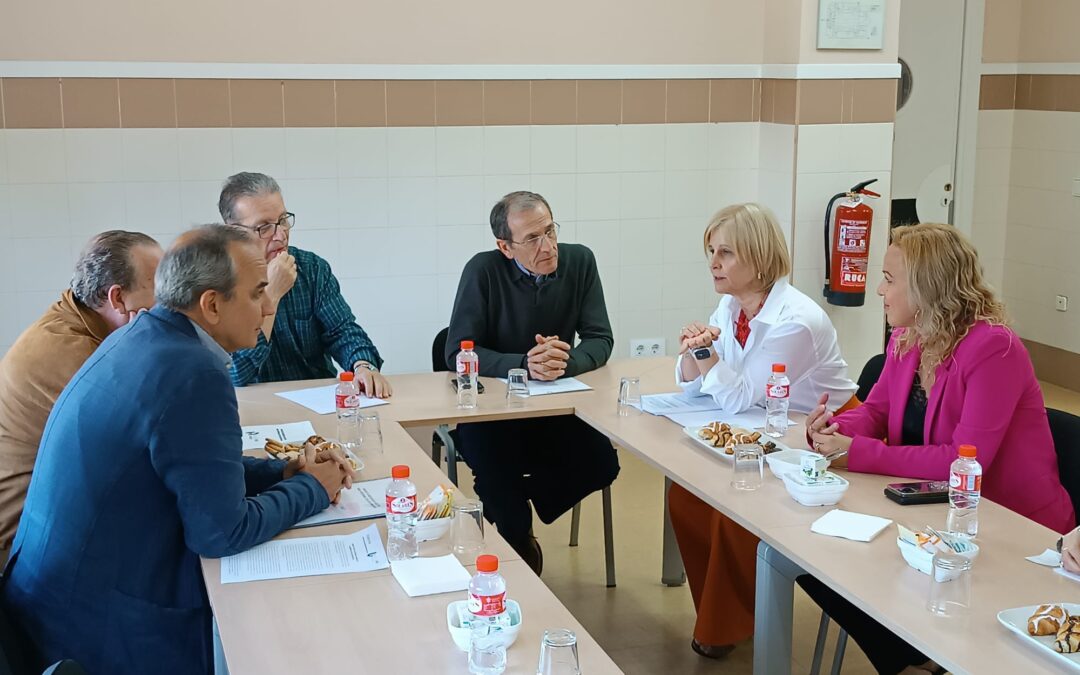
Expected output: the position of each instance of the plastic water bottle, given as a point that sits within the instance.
(347, 396)
(401, 541)
(468, 369)
(965, 484)
(487, 607)
(776, 401)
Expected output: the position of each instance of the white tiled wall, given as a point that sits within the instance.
(1042, 234)
(397, 212)
(830, 159)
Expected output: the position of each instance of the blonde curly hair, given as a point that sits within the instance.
(947, 290)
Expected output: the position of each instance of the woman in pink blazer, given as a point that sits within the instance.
(954, 374)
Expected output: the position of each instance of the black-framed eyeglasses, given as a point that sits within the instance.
(551, 234)
(268, 230)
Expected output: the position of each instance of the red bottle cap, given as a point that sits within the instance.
(967, 451)
(779, 368)
(346, 376)
(400, 471)
(487, 563)
(466, 344)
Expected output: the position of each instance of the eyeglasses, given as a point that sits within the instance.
(268, 230)
(551, 234)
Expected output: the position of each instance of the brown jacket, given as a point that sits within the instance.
(32, 374)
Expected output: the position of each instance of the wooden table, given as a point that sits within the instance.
(873, 576)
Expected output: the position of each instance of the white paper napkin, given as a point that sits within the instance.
(1049, 558)
(429, 576)
(848, 525)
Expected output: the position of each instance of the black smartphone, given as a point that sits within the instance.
(479, 384)
(922, 492)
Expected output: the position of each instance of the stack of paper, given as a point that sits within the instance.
(564, 385)
(848, 525)
(320, 400)
(697, 411)
(284, 558)
(363, 501)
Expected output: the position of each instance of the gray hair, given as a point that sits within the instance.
(513, 203)
(243, 184)
(105, 262)
(199, 261)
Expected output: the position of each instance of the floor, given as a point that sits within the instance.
(644, 626)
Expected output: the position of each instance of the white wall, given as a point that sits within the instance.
(397, 212)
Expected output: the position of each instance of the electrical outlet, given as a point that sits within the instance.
(645, 347)
(1061, 303)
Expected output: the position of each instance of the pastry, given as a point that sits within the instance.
(1067, 640)
(1047, 619)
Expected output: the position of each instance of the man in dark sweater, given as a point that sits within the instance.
(523, 305)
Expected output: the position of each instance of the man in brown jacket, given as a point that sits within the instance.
(113, 281)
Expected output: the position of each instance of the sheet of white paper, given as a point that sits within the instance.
(849, 525)
(563, 386)
(320, 400)
(363, 501)
(255, 437)
(676, 402)
(750, 419)
(1049, 558)
(428, 576)
(286, 558)
(1068, 575)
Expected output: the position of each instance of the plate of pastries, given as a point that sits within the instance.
(1054, 627)
(287, 451)
(721, 438)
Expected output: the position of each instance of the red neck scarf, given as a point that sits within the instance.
(742, 325)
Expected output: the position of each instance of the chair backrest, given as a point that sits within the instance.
(438, 352)
(869, 376)
(1065, 428)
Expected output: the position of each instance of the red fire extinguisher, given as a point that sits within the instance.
(848, 250)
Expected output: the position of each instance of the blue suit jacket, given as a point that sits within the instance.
(138, 474)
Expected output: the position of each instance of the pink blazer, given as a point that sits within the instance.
(985, 395)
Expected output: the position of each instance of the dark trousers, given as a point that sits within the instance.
(553, 461)
(888, 653)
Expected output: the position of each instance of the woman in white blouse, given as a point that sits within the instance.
(761, 320)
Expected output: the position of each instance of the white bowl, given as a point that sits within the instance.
(462, 636)
(427, 530)
(786, 461)
(922, 559)
(814, 495)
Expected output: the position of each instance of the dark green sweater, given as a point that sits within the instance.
(501, 309)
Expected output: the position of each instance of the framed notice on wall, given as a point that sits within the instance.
(851, 24)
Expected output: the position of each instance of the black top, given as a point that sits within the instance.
(502, 309)
(914, 415)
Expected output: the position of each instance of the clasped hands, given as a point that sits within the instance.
(330, 467)
(696, 335)
(547, 360)
(823, 433)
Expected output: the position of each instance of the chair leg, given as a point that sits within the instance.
(838, 657)
(443, 432)
(819, 645)
(436, 448)
(609, 538)
(575, 523)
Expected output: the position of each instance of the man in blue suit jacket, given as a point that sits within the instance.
(140, 472)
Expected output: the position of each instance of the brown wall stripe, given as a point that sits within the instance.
(1053, 365)
(51, 103)
(1030, 92)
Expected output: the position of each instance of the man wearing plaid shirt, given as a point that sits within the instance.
(312, 323)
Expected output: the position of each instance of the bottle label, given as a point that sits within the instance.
(347, 401)
(487, 605)
(965, 482)
(467, 367)
(777, 390)
(400, 505)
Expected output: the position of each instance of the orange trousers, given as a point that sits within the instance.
(720, 558)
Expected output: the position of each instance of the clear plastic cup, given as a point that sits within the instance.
(517, 388)
(747, 466)
(467, 529)
(950, 585)
(558, 653)
(629, 396)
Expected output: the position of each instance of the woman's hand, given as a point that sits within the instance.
(818, 419)
(690, 331)
(1070, 552)
(828, 443)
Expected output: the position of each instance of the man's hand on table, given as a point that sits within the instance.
(547, 360)
(1070, 551)
(372, 383)
(330, 467)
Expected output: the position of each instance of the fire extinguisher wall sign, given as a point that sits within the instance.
(847, 247)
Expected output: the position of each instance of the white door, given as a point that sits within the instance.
(924, 146)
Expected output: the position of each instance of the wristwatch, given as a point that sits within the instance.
(365, 364)
(702, 353)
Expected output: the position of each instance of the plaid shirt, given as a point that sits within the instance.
(313, 325)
